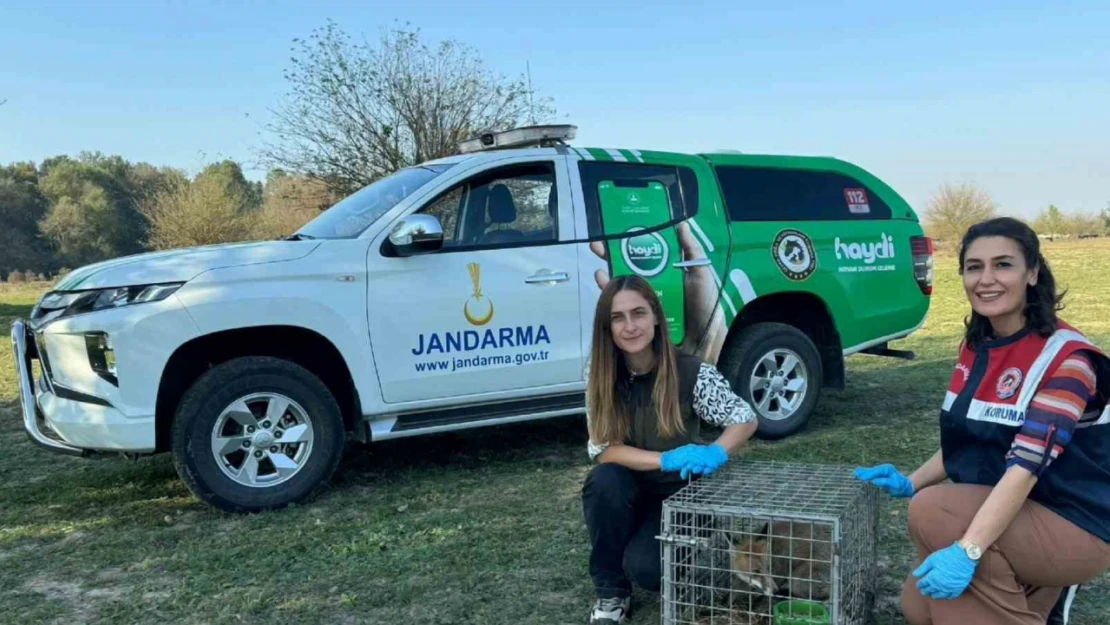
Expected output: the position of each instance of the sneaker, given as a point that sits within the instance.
(1062, 609)
(611, 611)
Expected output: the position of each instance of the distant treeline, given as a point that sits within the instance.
(70, 211)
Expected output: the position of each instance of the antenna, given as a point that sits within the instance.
(531, 108)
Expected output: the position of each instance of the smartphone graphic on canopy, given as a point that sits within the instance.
(630, 209)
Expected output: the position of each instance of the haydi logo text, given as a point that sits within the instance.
(645, 254)
(867, 252)
(651, 251)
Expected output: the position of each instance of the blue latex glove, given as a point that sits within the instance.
(677, 458)
(886, 477)
(705, 460)
(946, 573)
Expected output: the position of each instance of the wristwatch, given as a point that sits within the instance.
(972, 550)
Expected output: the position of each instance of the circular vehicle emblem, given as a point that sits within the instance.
(793, 252)
(1008, 383)
(645, 254)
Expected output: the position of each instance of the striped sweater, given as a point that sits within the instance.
(1053, 415)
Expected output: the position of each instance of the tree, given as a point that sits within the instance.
(355, 113)
(147, 181)
(206, 211)
(94, 205)
(22, 205)
(1050, 222)
(955, 208)
(92, 213)
(1106, 219)
(289, 202)
(229, 175)
(1082, 223)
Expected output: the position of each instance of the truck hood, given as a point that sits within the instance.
(181, 265)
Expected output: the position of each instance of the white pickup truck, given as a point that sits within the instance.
(460, 293)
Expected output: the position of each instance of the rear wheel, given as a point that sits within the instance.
(257, 434)
(777, 369)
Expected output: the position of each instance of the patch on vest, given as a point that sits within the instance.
(962, 368)
(1008, 383)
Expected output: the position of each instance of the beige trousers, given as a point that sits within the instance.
(1019, 578)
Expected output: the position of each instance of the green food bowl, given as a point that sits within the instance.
(801, 612)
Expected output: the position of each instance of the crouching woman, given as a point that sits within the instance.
(650, 410)
(1025, 443)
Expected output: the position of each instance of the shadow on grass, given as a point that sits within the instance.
(515, 447)
(73, 489)
(555, 444)
(15, 310)
(82, 488)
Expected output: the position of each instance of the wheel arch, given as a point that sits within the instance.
(300, 345)
(806, 312)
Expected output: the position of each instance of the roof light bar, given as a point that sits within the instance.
(527, 136)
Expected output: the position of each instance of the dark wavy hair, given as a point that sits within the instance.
(1041, 300)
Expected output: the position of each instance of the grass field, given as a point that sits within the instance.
(477, 527)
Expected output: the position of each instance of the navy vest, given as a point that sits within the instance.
(988, 395)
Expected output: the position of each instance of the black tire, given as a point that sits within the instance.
(749, 347)
(205, 401)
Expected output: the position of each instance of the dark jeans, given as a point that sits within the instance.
(623, 510)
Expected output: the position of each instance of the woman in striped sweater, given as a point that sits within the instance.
(1025, 451)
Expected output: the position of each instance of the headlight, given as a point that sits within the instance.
(57, 305)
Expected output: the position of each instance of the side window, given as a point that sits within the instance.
(446, 209)
(680, 182)
(774, 194)
(516, 205)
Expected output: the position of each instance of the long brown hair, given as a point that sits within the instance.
(610, 416)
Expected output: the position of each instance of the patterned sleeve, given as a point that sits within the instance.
(1052, 416)
(714, 401)
(593, 449)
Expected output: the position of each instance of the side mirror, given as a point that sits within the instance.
(417, 234)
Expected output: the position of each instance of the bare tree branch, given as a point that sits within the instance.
(357, 112)
(955, 208)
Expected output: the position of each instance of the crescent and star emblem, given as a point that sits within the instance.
(476, 279)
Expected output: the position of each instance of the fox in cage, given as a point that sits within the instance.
(740, 575)
(785, 557)
(770, 544)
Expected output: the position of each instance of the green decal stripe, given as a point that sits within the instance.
(629, 156)
(700, 235)
(609, 155)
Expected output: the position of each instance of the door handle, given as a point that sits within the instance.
(697, 262)
(542, 278)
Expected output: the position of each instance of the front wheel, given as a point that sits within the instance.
(777, 369)
(257, 434)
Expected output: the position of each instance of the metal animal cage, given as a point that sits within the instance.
(770, 543)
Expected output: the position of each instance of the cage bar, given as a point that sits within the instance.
(770, 543)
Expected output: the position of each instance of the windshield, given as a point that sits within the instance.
(350, 216)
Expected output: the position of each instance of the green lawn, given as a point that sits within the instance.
(480, 527)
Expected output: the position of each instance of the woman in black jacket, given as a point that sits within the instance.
(651, 410)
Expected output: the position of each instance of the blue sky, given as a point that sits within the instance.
(1010, 95)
